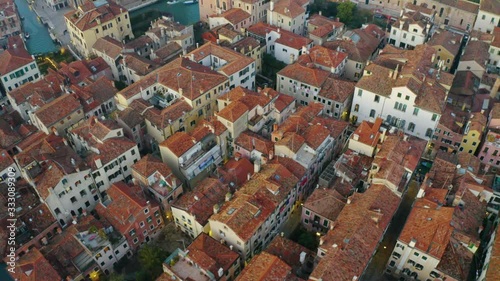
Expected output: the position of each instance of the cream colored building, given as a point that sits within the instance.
(289, 15)
(90, 22)
(488, 17)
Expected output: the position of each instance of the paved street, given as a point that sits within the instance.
(293, 221)
(376, 267)
(55, 20)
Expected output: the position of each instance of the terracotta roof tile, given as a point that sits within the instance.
(193, 78)
(357, 231)
(315, 135)
(447, 39)
(265, 267)
(235, 61)
(140, 65)
(292, 141)
(283, 101)
(476, 51)
(88, 15)
(233, 111)
(306, 74)
(323, 56)
(46, 89)
(34, 267)
(130, 117)
(161, 118)
(14, 58)
(327, 203)
(58, 109)
(109, 150)
(287, 38)
(109, 46)
(256, 200)
(251, 141)
(233, 15)
(210, 254)
(290, 8)
(336, 89)
(149, 165)
(201, 200)
(288, 251)
(368, 133)
(125, 205)
(179, 143)
(235, 172)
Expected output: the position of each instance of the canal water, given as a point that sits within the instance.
(184, 14)
(40, 41)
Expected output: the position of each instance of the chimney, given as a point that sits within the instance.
(292, 58)
(197, 45)
(320, 13)
(216, 208)
(218, 41)
(275, 127)
(249, 176)
(184, 52)
(191, 57)
(433, 58)
(391, 73)
(54, 130)
(271, 6)
(349, 200)
(396, 72)
(180, 91)
(228, 197)
(256, 166)
(14, 46)
(237, 156)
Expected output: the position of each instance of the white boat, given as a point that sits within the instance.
(26, 35)
(190, 2)
(171, 2)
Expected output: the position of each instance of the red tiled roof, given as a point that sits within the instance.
(315, 135)
(283, 101)
(368, 133)
(336, 89)
(236, 171)
(109, 46)
(251, 141)
(292, 141)
(357, 231)
(34, 267)
(327, 203)
(290, 8)
(149, 164)
(125, 206)
(88, 15)
(233, 15)
(429, 225)
(14, 58)
(287, 38)
(179, 143)
(210, 254)
(193, 78)
(161, 118)
(110, 150)
(306, 74)
(201, 200)
(233, 111)
(235, 61)
(256, 200)
(265, 267)
(58, 109)
(44, 90)
(323, 56)
(288, 251)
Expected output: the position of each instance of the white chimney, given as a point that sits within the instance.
(256, 166)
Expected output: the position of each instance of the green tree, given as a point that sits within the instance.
(308, 240)
(345, 11)
(151, 259)
(116, 277)
(143, 275)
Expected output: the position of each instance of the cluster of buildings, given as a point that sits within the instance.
(197, 140)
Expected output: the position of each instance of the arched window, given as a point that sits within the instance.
(372, 113)
(428, 133)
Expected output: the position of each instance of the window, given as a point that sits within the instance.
(407, 98)
(57, 211)
(360, 92)
(428, 133)
(73, 199)
(306, 221)
(392, 263)
(424, 258)
(356, 108)
(136, 240)
(372, 113)
(131, 232)
(377, 98)
(434, 117)
(416, 254)
(308, 213)
(132, 152)
(141, 224)
(399, 95)
(400, 106)
(411, 127)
